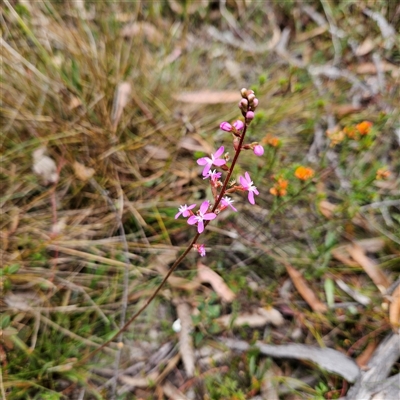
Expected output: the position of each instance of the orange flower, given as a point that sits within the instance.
(304, 173)
(364, 127)
(382, 173)
(271, 141)
(280, 187)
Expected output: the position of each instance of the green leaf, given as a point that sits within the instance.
(329, 291)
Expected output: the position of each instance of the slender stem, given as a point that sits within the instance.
(150, 299)
(230, 169)
(176, 263)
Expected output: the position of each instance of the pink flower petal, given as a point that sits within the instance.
(200, 227)
(248, 179)
(251, 198)
(203, 161)
(219, 162)
(243, 182)
(210, 216)
(219, 152)
(204, 206)
(192, 220)
(206, 169)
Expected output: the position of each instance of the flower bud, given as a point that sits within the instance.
(255, 103)
(243, 104)
(243, 92)
(251, 97)
(239, 125)
(236, 143)
(249, 115)
(225, 126)
(258, 150)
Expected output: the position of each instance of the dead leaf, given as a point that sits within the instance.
(327, 209)
(141, 382)
(259, 319)
(172, 392)
(149, 31)
(371, 245)
(81, 172)
(159, 264)
(341, 110)
(207, 275)
(121, 98)
(394, 310)
(245, 319)
(305, 291)
(272, 314)
(158, 153)
(365, 47)
(360, 298)
(370, 68)
(208, 97)
(363, 359)
(328, 359)
(185, 338)
(74, 102)
(303, 36)
(369, 266)
(341, 254)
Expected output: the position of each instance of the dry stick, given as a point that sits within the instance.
(176, 263)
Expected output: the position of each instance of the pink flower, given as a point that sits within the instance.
(239, 125)
(201, 249)
(213, 175)
(247, 184)
(185, 210)
(227, 202)
(202, 215)
(258, 150)
(225, 126)
(214, 160)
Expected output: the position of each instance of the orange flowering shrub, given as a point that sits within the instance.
(280, 187)
(364, 127)
(382, 173)
(304, 173)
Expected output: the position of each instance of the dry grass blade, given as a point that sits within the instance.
(305, 291)
(369, 266)
(185, 338)
(121, 98)
(394, 310)
(208, 97)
